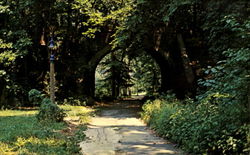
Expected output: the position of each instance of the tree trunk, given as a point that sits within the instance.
(113, 78)
(88, 86)
(185, 60)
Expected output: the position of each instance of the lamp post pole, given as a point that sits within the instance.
(52, 78)
(52, 64)
(52, 71)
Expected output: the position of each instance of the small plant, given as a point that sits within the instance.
(73, 142)
(50, 112)
(35, 96)
(81, 101)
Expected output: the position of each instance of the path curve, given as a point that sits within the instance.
(119, 131)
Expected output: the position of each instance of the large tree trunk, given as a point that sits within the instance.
(89, 86)
(114, 84)
(185, 60)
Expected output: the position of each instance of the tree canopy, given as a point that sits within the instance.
(215, 37)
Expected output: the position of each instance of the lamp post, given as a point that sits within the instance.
(52, 70)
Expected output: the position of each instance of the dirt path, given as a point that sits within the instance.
(119, 131)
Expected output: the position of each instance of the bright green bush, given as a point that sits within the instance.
(199, 127)
(50, 112)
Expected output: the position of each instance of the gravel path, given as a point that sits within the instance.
(119, 131)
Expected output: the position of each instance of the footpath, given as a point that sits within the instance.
(119, 131)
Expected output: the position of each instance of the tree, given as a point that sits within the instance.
(120, 74)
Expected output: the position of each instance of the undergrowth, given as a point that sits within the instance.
(200, 128)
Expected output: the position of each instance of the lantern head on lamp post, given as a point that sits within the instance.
(51, 44)
(51, 47)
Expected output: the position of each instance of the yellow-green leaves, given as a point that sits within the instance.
(3, 8)
(102, 14)
(4, 45)
(6, 54)
(7, 57)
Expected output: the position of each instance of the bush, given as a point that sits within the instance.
(199, 127)
(50, 112)
(35, 97)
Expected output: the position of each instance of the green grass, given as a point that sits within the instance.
(21, 133)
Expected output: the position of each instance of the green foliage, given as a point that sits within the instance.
(226, 28)
(75, 101)
(112, 74)
(35, 96)
(247, 146)
(3, 8)
(102, 14)
(230, 75)
(14, 44)
(146, 74)
(6, 56)
(29, 136)
(73, 141)
(138, 74)
(148, 16)
(49, 112)
(199, 128)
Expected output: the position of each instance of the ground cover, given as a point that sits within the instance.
(200, 128)
(21, 133)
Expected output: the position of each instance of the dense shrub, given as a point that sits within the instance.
(50, 112)
(199, 127)
(35, 96)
